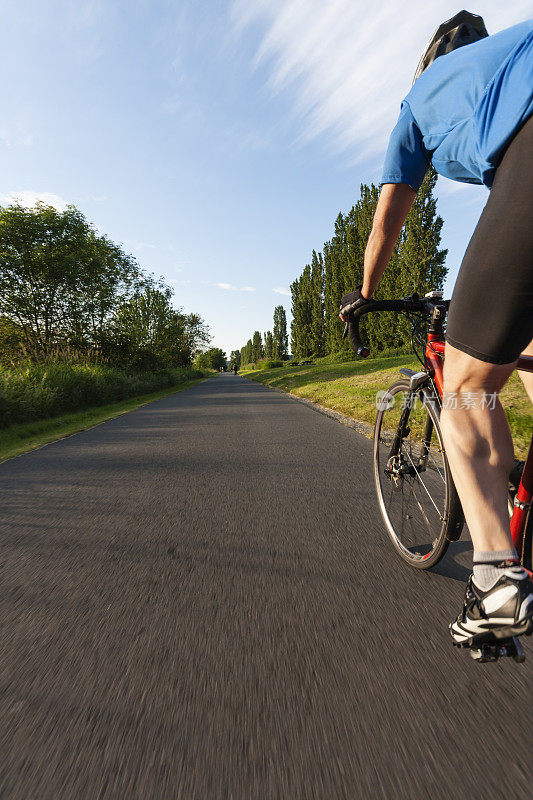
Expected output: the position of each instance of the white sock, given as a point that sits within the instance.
(487, 569)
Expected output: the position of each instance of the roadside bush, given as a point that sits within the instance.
(37, 391)
(270, 363)
(343, 356)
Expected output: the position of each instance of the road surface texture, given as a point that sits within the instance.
(198, 600)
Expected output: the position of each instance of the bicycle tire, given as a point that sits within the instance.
(449, 521)
(527, 543)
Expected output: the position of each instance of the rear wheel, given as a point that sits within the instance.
(527, 544)
(416, 494)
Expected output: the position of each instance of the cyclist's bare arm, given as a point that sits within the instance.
(395, 201)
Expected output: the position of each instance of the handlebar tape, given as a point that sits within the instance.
(351, 328)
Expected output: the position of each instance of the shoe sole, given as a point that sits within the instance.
(523, 628)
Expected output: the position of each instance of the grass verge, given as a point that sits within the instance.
(22, 437)
(351, 387)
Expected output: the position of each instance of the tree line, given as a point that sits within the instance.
(273, 345)
(64, 286)
(417, 265)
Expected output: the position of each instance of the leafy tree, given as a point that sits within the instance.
(343, 265)
(59, 280)
(269, 345)
(257, 346)
(145, 315)
(214, 358)
(302, 311)
(316, 332)
(281, 339)
(12, 340)
(154, 331)
(246, 357)
(197, 333)
(421, 261)
(307, 327)
(417, 264)
(235, 358)
(61, 283)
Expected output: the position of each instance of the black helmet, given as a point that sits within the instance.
(464, 28)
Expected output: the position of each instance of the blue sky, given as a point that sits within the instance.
(216, 140)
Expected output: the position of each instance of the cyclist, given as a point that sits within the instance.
(469, 114)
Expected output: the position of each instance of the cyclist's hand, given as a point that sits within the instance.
(350, 302)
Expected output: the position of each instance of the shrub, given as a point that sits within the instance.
(270, 363)
(348, 355)
(37, 391)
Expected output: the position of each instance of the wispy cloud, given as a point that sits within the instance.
(136, 245)
(347, 64)
(230, 288)
(13, 139)
(282, 290)
(29, 198)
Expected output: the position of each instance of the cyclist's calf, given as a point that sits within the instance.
(471, 385)
(479, 444)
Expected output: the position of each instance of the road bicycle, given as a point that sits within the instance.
(415, 489)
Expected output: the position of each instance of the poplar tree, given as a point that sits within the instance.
(421, 261)
(302, 314)
(317, 345)
(257, 347)
(269, 345)
(247, 356)
(417, 264)
(281, 339)
(295, 310)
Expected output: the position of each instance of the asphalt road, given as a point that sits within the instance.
(198, 600)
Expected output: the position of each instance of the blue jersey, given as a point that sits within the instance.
(463, 111)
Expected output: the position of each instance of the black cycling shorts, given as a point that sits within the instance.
(491, 312)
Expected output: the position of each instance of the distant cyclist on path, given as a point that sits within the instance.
(469, 114)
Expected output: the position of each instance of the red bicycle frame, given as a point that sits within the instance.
(434, 357)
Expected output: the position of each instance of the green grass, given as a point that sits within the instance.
(22, 437)
(350, 388)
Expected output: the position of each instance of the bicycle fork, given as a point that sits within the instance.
(404, 430)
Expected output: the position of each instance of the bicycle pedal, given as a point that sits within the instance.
(493, 651)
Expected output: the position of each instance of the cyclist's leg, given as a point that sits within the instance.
(490, 323)
(479, 445)
(499, 597)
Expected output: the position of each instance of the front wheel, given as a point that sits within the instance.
(416, 494)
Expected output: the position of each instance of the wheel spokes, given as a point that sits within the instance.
(415, 519)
